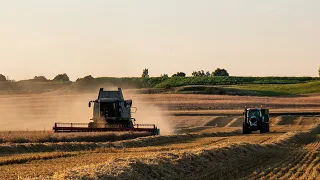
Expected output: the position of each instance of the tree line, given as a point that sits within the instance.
(201, 73)
(58, 78)
(145, 74)
(217, 72)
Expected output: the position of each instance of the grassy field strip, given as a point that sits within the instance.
(304, 88)
(198, 143)
(40, 168)
(212, 142)
(49, 136)
(9, 148)
(172, 139)
(15, 148)
(24, 158)
(183, 146)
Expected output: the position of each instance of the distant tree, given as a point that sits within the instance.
(2, 78)
(194, 73)
(62, 78)
(319, 71)
(180, 74)
(86, 78)
(220, 72)
(202, 73)
(145, 73)
(198, 73)
(40, 78)
(164, 75)
(208, 73)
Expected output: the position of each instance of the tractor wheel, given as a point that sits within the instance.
(245, 130)
(263, 128)
(268, 127)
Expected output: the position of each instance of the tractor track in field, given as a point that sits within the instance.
(300, 162)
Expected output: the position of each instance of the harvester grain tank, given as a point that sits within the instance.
(111, 112)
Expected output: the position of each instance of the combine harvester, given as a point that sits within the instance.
(110, 113)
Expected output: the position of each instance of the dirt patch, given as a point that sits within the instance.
(189, 121)
(286, 120)
(310, 120)
(220, 121)
(236, 122)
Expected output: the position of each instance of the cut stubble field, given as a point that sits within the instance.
(194, 147)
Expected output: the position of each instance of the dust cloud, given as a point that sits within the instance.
(148, 113)
(41, 111)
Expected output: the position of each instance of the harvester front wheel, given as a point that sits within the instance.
(157, 132)
(91, 125)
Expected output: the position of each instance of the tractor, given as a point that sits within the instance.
(256, 119)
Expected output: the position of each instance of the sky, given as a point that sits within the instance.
(119, 38)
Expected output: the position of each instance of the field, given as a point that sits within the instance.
(201, 139)
(261, 86)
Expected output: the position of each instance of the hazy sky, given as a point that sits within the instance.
(120, 38)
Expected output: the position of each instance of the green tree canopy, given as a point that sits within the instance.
(164, 75)
(198, 73)
(180, 74)
(220, 72)
(145, 73)
(2, 78)
(86, 78)
(62, 78)
(40, 78)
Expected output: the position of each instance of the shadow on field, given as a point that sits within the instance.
(223, 90)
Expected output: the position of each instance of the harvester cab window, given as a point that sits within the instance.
(109, 109)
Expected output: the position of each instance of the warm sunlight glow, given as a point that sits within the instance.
(120, 38)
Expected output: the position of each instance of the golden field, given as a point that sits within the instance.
(190, 147)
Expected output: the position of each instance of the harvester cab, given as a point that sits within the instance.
(256, 119)
(111, 112)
